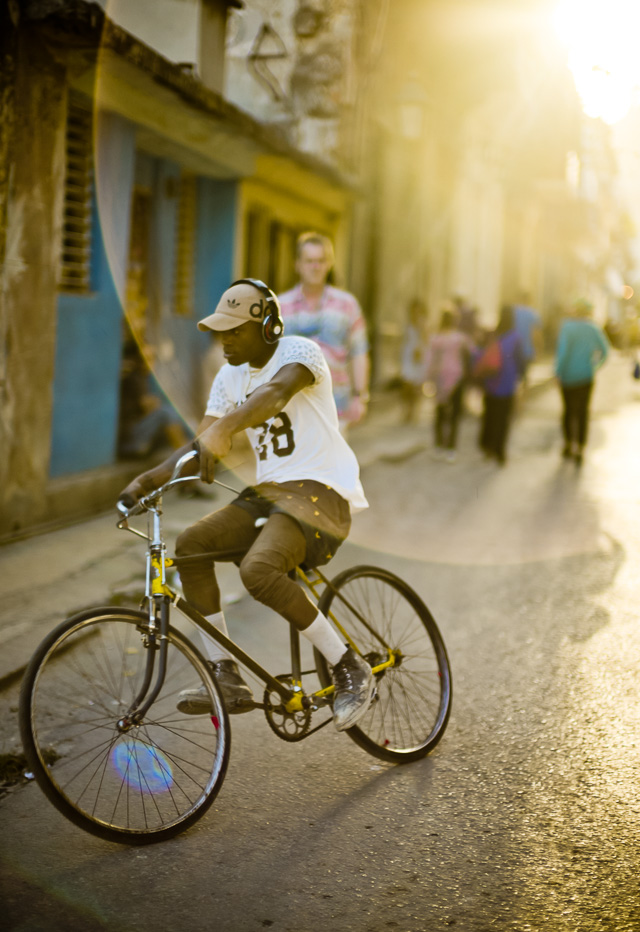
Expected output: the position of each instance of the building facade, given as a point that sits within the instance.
(152, 152)
(133, 191)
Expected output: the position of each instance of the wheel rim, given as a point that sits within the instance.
(412, 697)
(142, 780)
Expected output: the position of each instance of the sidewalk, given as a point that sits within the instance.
(49, 577)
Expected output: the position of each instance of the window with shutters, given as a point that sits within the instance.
(75, 271)
(184, 271)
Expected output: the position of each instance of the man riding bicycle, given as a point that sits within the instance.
(307, 485)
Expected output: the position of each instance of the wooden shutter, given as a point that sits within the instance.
(184, 271)
(75, 272)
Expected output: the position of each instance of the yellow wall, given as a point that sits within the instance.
(281, 192)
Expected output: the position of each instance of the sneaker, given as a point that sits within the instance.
(236, 694)
(354, 683)
(451, 456)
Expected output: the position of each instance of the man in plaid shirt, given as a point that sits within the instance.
(332, 318)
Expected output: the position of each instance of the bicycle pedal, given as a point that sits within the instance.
(245, 705)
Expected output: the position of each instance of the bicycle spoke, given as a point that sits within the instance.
(182, 735)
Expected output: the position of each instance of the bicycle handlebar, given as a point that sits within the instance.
(177, 469)
(128, 507)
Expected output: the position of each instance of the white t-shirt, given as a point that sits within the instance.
(303, 441)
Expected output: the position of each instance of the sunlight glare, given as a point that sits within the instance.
(601, 38)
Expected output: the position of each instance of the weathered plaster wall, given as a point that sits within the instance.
(8, 56)
(171, 28)
(292, 62)
(36, 116)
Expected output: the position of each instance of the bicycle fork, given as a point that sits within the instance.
(156, 640)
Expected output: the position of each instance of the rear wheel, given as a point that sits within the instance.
(132, 784)
(380, 612)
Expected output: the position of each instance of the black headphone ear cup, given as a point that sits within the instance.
(271, 328)
(272, 325)
(266, 329)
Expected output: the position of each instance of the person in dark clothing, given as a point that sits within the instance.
(500, 388)
(582, 348)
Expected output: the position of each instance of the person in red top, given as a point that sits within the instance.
(448, 352)
(332, 318)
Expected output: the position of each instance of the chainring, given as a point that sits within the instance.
(290, 726)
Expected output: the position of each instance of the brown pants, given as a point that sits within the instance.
(270, 553)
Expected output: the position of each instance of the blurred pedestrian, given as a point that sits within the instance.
(582, 348)
(414, 359)
(447, 354)
(465, 316)
(529, 327)
(500, 384)
(332, 318)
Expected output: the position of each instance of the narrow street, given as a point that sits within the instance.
(526, 815)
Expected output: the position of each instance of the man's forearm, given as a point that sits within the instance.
(266, 402)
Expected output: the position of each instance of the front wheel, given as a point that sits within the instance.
(377, 612)
(130, 784)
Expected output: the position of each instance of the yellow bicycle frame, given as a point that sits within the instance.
(158, 587)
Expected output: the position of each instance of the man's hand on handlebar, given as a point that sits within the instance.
(137, 489)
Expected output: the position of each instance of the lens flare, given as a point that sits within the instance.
(601, 41)
(142, 766)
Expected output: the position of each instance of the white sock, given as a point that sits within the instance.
(211, 648)
(323, 636)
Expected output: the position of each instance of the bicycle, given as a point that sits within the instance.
(98, 716)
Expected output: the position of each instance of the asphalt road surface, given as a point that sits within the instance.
(525, 817)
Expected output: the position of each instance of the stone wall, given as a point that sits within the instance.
(30, 188)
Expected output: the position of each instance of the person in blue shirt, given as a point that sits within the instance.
(581, 350)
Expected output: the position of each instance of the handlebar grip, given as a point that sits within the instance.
(128, 506)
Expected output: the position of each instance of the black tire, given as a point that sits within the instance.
(134, 787)
(411, 710)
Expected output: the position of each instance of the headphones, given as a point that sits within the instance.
(272, 322)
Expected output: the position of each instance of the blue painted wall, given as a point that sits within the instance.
(86, 384)
(217, 208)
(87, 371)
(217, 215)
(89, 335)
